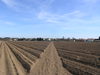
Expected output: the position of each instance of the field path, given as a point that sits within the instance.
(49, 63)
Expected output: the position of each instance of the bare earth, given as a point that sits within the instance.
(49, 62)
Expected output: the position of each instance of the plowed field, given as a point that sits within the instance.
(49, 58)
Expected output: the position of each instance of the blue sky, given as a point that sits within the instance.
(50, 18)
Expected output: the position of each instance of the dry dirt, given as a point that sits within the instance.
(49, 62)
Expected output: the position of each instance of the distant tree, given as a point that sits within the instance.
(39, 39)
(63, 37)
(73, 38)
(99, 37)
(33, 39)
(6, 38)
(21, 39)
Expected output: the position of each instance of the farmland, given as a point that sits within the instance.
(80, 58)
(49, 58)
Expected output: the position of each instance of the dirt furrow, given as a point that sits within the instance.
(11, 70)
(26, 62)
(0, 49)
(3, 69)
(79, 68)
(34, 52)
(14, 66)
(31, 58)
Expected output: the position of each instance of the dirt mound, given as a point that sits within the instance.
(49, 63)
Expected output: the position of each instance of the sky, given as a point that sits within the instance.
(50, 18)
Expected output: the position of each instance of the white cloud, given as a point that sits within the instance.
(46, 4)
(10, 3)
(72, 18)
(63, 18)
(75, 20)
(17, 6)
(7, 23)
(90, 1)
(27, 6)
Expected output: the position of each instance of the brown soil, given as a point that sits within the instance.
(14, 61)
(49, 63)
